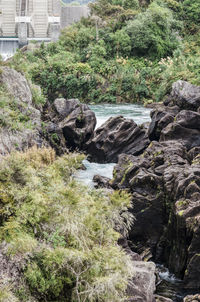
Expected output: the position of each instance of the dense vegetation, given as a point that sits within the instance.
(59, 235)
(127, 51)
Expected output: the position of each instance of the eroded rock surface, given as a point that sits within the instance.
(184, 95)
(165, 185)
(75, 120)
(117, 135)
(142, 286)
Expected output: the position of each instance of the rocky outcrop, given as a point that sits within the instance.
(117, 135)
(185, 128)
(160, 118)
(142, 286)
(184, 95)
(24, 128)
(16, 85)
(165, 185)
(74, 120)
(101, 181)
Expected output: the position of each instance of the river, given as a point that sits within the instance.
(169, 286)
(132, 111)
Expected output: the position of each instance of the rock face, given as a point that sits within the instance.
(75, 120)
(165, 185)
(185, 128)
(184, 95)
(160, 118)
(11, 137)
(117, 135)
(17, 85)
(142, 286)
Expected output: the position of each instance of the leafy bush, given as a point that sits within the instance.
(153, 33)
(62, 232)
(191, 14)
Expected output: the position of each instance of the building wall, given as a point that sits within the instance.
(38, 10)
(71, 14)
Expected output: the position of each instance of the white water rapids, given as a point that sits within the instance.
(132, 111)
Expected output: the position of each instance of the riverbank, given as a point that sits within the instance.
(157, 155)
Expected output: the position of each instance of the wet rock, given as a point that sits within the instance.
(185, 128)
(123, 242)
(116, 136)
(184, 95)
(142, 286)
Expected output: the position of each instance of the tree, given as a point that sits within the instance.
(154, 32)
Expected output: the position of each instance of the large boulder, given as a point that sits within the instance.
(16, 85)
(76, 121)
(116, 136)
(20, 120)
(142, 287)
(160, 118)
(184, 95)
(184, 128)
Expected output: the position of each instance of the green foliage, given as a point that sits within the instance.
(11, 116)
(191, 14)
(116, 55)
(62, 232)
(153, 32)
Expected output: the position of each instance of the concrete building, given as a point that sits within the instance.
(30, 19)
(72, 14)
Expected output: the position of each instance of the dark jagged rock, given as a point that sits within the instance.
(165, 186)
(117, 135)
(78, 126)
(185, 128)
(74, 120)
(160, 118)
(184, 95)
(101, 181)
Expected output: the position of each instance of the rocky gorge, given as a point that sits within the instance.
(158, 163)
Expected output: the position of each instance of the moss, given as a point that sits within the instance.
(180, 213)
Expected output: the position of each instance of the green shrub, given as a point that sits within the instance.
(153, 32)
(62, 232)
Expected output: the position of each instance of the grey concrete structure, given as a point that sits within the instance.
(40, 20)
(71, 14)
(29, 19)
